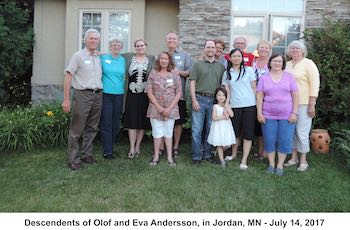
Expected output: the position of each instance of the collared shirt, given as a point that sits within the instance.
(86, 70)
(308, 79)
(247, 57)
(207, 75)
(183, 62)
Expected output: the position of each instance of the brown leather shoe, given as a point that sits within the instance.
(88, 160)
(73, 166)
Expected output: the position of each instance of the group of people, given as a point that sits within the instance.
(155, 98)
(235, 98)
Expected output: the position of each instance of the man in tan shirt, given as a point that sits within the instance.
(83, 74)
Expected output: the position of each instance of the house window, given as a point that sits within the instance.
(278, 21)
(110, 23)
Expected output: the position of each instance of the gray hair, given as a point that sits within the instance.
(237, 37)
(264, 42)
(91, 31)
(114, 40)
(172, 32)
(298, 44)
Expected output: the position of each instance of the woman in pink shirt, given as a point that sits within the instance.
(164, 91)
(277, 107)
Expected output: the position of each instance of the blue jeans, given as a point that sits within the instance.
(112, 106)
(278, 134)
(205, 113)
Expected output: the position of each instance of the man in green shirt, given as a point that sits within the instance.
(205, 77)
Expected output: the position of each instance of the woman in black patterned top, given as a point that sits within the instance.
(138, 67)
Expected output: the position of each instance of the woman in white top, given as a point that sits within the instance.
(240, 84)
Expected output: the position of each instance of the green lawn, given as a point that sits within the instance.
(40, 181)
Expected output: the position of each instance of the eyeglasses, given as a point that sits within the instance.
(236, 56)
(239, 43)
(140, 46)
(277, 61)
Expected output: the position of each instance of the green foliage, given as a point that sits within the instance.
(329, 48)
(25, 128)
(16, 40)
(341, 146)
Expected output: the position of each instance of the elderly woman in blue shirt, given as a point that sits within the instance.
(113, 80)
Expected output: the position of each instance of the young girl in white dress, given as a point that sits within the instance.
(221, 132)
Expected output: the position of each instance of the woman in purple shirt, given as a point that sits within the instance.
(277, 107)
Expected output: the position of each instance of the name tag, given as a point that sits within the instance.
(246, 59)
(108, 61)
(87, 62)
(169, 80)
(177, 57)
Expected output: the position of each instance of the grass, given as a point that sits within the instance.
(40, 181)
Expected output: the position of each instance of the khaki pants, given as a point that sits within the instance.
(86, 112)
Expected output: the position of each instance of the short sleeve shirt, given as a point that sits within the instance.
(113, 74)
(183, 62)
(164, 89)
(242, 94)
(86, 70)
(207, 75)
(278, 101)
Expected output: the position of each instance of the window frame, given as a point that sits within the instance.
(105, 14)
(267, 22)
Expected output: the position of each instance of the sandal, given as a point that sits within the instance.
(131, 155)
(136, 155)
(175, 152)
(172, 163)
(153, 163)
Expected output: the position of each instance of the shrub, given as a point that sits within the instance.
(16, 41)
(341, 146)
(329, 48)
(25, 128)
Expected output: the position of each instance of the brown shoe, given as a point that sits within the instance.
(73, 166)
(88, 160)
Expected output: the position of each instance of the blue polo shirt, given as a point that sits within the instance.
(113, 74)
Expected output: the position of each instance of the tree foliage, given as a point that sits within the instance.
(329, 48)
(16, 42)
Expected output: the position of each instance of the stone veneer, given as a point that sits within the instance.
(200, 20)
(47, 93)
(317, 9)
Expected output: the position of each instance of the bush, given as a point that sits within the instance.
(16, 41)
(341, 146)
(329, 48)
(26, 128)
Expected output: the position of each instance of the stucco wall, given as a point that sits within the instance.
(161, 17)
(317, 9)
(49, 49)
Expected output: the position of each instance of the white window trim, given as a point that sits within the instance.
(104, 29)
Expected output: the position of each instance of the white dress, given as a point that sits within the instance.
(221, 132)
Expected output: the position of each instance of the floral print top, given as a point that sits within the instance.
(164, 89)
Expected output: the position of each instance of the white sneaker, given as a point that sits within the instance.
(243, 167)
(303, 167)
(229, 158)
(290, 163)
